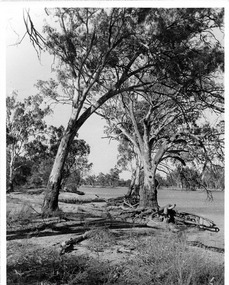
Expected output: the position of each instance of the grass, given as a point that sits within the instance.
(165, 259)
(47, 266)
(81, 201)
(168, 260)
(157, 260)
(26, 214)
(102, 239)
(22, 217)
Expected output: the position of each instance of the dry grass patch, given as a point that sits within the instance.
(169, 260)
(161, 260)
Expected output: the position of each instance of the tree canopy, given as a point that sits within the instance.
(172, 54)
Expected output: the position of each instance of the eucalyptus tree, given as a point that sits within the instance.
(163, 123)
(24, 123)
(105, 52)
(77, 163)
(128, 160)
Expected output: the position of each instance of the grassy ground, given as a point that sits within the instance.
(149, 260)
(112, 256)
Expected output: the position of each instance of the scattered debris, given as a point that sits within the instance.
(130, 212)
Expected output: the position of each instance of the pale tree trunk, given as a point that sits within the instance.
(55, 178)
(132, 183)
(50, 203)
(135, 180)
(136, 187)
(148, 193)
(10, 187)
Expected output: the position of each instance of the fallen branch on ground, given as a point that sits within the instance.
(67, 246)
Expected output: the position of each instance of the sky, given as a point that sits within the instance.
(23, 69)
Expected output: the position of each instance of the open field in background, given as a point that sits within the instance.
(194, 202)
(113, 255)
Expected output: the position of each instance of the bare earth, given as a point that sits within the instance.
(192, 202)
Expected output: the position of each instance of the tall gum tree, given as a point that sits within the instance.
(101, 52)
(25, 122)
(163, 126)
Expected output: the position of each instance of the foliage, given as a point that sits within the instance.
(22, 170)
(90, 180)
(110, 179)
(126, 155)
(169, 56)
(76, 165)
(214, 177)
(185, 178)
(162, 122)
(24, 125)
(190, 178)
(32, 145)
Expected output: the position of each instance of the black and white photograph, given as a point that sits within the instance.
(114, 152)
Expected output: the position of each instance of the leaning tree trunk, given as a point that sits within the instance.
(55, 178)
(50, 203)
(74, 124)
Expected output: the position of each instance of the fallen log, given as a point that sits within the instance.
(68, 245)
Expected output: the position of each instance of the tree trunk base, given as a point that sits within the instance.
(50, 204)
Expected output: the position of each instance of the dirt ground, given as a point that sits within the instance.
(54, 236)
